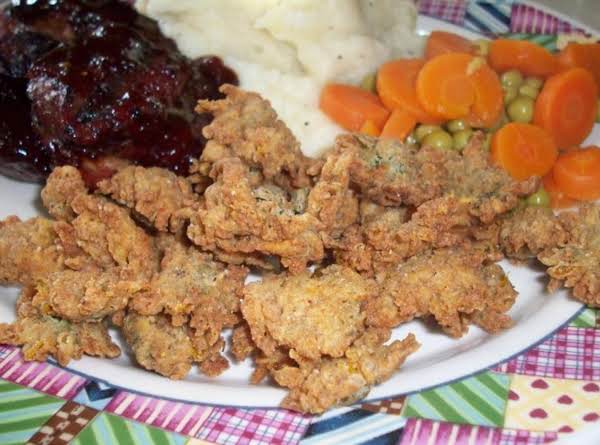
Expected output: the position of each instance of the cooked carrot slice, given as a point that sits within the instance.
(399, 125)
(523, 150)
(527, 57)
(456, 86)
(558, 199)
(582, 55)
(577, 173)
(351, 106)
(566, 107)
(442, 42)
(369, 128)
(397, 90)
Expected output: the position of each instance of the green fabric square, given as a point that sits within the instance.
(476, 400)
(23, 411)
(546, 40)
(586, 319)
(108, 428)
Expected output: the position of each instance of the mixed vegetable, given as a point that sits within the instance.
(535, 107)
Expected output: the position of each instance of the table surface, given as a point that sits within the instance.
(586, 11)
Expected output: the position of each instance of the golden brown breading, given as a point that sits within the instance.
(29, 250)
(43, 336)
(486, 190)
(576, 264)
(527, 231)
(106, 232)
(158, 345)
(62, 186)
(313, 315)
(454, 285)
(245, 126)
(242, 345)
(85, 295)
(158, 195)
(391, 173)
(318, 386)
(239, 219)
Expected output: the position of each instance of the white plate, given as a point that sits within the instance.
(440, 360)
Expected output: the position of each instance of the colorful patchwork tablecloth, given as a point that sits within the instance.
(550, 390)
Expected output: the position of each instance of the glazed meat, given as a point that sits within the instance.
(96, 80)
(575, 263)
(243, 220)
(454, 286)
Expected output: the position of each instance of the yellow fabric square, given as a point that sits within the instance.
(545, 404)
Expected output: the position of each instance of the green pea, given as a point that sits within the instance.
(534, 82)
(512, 78)
(457, 125)
(483, 47)
(368, 82)
(529, 91)
(510, 94)
(439, 139)
(541, 198)
(423, 130)
(460, 139)
(521, 109)
(411, 139)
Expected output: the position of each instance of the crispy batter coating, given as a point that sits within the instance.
(527, 231)
(62, 186)
(240, 219)
(313, 315)
(391, 173)
(29, 250)
(242, 345)
(158, 345)
(455, 286)
(106, 232)
(245, 126)
(576, 264)
(158, 195)
(43, 336)
(318, 386)
(486, 190)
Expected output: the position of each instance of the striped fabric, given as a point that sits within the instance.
(181, 418)
(570, 354)
(545, 40)
(488, 17)
(478, 400)
(452, 11)
(357, 426)
(528, 19)
(429, 432)
(44, 377)
(23, 411)
(110, 429)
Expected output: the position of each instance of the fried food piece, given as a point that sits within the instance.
(455, 286)
(106, 232)
(86, 295)
(62, 186)
(29, 250)
(486, 190)
(44, 336)
(575, 263)
(242, 345)
(245, 126)
(158, 345)
(160, 196)
(237, 218)
(191, 282)
(318, 386)
(312, 315)
(528, 231)
(391, 173)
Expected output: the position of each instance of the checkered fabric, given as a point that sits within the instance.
(390, 406)
(64, 425)
(528, 19)
(520, 437)
(570, 354)
(453, 11)
(239, 426)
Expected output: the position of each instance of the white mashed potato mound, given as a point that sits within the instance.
(287, 50)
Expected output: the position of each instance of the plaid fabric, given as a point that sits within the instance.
(520, 437)
(568, 355)
(531, 20)
(449, 10)
(240, 426)
(64, 425)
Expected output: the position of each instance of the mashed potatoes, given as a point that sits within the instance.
(286, 50)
